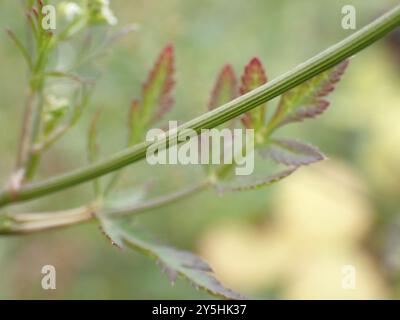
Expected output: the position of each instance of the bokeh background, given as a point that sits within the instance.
(290, 240)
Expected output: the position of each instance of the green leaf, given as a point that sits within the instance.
(111, 231)
(225, 88)
(156, 99)
(307, 100)
(20, 47)
(252, 182)
(253, 77)
(292, 153)
(176, 263)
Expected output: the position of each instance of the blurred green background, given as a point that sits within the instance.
(287, 241)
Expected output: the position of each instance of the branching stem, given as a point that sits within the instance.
(305, 71)
(24, 223)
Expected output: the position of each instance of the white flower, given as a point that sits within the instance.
(99, 12)
(109, 16)
(56, 104)
(70, 10)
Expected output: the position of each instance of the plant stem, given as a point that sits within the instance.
(24, 223)
(160, 201)
(26, 123)
(32, 158)
(305, 71)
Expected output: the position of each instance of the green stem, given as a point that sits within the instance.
(33, 158)
(305, 71)
(24, 223)
(160, 201)
(24, 140)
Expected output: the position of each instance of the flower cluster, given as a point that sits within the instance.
(89, 11)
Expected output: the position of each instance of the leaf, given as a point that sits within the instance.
(156, 91)
(307, 100)
(111, 231)
(178, 262)
(225, 88)
(292, 153)
(156, 99)
(20, 47)
(253, 77)
(252, 182)
(135, 128)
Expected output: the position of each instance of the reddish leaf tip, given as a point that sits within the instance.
(35, 12)
(227, 71)
(157, 89)
(255, 61)
(225, 88)
(254, 75)
(169, 48)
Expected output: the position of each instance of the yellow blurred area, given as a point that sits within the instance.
(321, 216)
(375, 111)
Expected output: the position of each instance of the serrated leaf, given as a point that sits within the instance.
(135, 126)
(253, 77)
(111, 231)
(225, 88)
(156, 99)
(176, 262)
(307, 100)
(252, 182)
(292, 153)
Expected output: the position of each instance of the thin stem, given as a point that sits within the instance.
(24, 137)
(42, 146)
(24, 223)
(305, 71)
(160, 201)
(32, 159)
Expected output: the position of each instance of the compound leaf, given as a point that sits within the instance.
(253, 77)
(225, 88)
(252, 182)
(176, 262)
(292, 153)
(308, 99)
(111, 231)
(156, 96)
